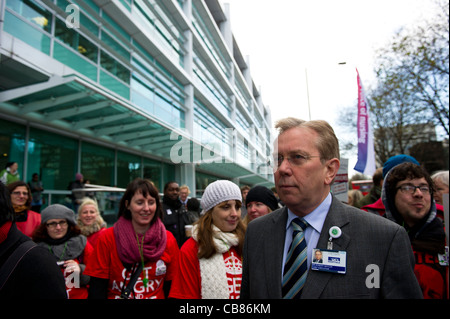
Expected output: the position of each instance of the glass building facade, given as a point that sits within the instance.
(124, 89)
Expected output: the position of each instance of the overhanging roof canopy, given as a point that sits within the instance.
(82, 108)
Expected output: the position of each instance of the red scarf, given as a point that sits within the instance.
(127, 241)
(4, 230)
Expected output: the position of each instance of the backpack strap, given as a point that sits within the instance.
(13, 260)
(129, 288)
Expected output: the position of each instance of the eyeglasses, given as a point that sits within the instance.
(55, 224)
(411, 189)
(294, 159)
(19, 193)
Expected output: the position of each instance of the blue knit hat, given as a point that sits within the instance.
(396, 160)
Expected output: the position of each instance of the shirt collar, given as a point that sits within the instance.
(317, 217)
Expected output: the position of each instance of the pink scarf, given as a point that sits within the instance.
(127, 243)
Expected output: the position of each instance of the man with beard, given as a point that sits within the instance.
(408, 198)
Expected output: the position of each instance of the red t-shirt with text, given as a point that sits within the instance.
(106, 264)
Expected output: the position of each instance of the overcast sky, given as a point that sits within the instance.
(285, 39)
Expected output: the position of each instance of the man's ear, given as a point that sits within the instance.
(332, 167)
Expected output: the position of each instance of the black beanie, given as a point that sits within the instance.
(262, 194)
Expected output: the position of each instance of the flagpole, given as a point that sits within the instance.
(307, 93)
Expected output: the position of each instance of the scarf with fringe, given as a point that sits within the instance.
(212, 270)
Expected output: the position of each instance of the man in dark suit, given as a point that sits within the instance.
(379, 260)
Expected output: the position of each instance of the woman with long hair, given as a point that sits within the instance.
(210, 263)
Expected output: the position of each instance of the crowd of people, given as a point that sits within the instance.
(249, 242)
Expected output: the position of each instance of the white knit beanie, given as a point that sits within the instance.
(218, 192)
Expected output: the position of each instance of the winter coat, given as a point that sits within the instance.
(37, 276)
(370, 198)
(428, 243)
(7, 177)
(175, 219)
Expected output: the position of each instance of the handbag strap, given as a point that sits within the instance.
(13, 260)
(129, 288)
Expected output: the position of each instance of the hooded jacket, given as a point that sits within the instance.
(428, 242)
(7, 177)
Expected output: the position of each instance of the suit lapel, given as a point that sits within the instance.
(274, 242)
(316, 281)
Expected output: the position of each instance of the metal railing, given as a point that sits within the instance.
(107, 197)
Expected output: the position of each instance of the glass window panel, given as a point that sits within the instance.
(128, 168)
(84, 20)
(110, 41)
(210, 130)
(33, 12)
(76, 41)
(152, 171)
(97, 164)
(168, 174)
(54, 157)
(113, 66)
(202, 180)
(89, 24)
(74, 61)
(12, 144)
(25, 32)
(127, 4)
(142, 95)
(114, 85)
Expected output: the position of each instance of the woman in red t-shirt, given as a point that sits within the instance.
(210, 263)
(26, 220)
(138, 238)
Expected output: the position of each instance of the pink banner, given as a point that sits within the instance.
(366, 153)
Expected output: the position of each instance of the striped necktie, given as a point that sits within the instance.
(294, 275)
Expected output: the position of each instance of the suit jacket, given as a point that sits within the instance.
(368, 240)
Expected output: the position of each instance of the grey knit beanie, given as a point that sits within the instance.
(58, 211)
(218, 192)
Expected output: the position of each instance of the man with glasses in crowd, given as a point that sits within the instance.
(408, 199)
(365, 256)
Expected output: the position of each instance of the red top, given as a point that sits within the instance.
(92, 238)
(73, 287)
(187, 284)
(106, 264)
(33, 221)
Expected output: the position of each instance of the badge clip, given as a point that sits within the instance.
(334, 232)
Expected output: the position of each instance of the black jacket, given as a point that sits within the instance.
(175, 218)
(37, 276)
